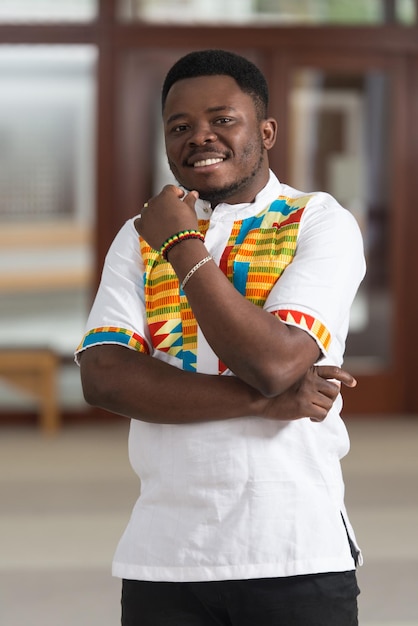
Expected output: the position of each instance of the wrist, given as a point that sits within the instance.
(178, 238)
(183, 256)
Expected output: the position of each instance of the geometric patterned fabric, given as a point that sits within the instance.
(258, 251)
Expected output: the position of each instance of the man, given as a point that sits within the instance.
(236, 286)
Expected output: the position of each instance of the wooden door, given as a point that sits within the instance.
(346, 133)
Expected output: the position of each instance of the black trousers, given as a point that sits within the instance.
(313, 600)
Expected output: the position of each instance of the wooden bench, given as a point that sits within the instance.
(35, 371)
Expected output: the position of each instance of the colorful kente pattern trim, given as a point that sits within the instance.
(295, 318)
(308, 322)
(261, 247)
(113, 334)
(258, 251)
(171, 322)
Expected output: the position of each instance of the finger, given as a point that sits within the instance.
(137, 222)
(326, 394)
(174, 189)
(317, 419)
(321, 408)
(318, 414)
(191, 198)
(332, 372)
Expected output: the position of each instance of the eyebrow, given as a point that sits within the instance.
(217, 109)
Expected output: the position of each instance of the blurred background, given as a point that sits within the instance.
(81, 148)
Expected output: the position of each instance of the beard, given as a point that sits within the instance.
(217, 195)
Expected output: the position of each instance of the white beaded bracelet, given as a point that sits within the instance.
(194, 269)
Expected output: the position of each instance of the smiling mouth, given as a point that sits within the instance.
(206, 162)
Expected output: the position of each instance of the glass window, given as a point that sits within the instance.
(339, 142)
(46, 131)
(47, 203)
(47, 10)
(266, 11)
(184, 11)
(322, 11)
(406, 12)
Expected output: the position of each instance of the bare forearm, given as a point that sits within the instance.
(141, 387)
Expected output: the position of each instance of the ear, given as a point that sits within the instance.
(269, 132)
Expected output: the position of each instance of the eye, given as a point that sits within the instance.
(223, 120)
(180, 128)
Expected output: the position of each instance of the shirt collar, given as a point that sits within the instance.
(232, 212)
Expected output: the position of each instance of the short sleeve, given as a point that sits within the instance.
(318, 287)
(118, 312)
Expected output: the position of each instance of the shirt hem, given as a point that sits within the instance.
(228, 572)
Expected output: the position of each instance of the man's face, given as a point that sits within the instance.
(214, 141)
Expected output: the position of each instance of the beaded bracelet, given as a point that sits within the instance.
(194, 269)
(178, 238)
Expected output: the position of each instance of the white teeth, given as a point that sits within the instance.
(207, 162)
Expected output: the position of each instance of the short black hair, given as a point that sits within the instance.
(221, 62)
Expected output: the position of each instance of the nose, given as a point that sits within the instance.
(201, 134)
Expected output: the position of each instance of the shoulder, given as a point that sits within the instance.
(127, 237)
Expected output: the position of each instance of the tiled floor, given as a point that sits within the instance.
(65, 501)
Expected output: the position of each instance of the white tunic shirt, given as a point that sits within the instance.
(246, 497)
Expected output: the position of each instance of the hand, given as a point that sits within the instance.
(313, 396)
(166, 214)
